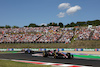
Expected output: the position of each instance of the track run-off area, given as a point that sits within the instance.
(75, 61)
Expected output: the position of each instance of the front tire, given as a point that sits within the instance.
(72, 57)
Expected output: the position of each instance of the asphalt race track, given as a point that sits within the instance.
(22, 56)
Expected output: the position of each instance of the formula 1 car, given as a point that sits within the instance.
(28, 51)
(58, 54)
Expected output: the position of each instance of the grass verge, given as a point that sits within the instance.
(34, 45)
(87, 56)
(8, 63)
(9, 52)
(74, 44)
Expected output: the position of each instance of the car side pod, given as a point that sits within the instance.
(55, 55)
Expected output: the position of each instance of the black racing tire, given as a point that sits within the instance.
(26, 52)
(32, 52)
(45, 54)
(55, 57)
(69, 55)
(72, 57)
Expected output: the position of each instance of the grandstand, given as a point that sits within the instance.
(51, 34)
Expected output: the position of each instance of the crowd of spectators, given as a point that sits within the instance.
(28, 29)
(84, 34)
(18, 38)
(25, 34)
(23, 29)
(51, 34)
(96, 34)
(66, 36)
(49, 38)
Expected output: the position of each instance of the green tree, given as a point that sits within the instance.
(1, 26)
(43, 26)
(25, 26)
(52, 24)
(15, 27)
(32, 25)
(60, 24)
(72, 24)
(68, 25)
(7, 26)
(81, 23)
(94, 23)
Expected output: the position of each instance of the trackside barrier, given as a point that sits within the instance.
(3, 49)
(43, 49)
(69, 49)
(34, 49)
(17, 49)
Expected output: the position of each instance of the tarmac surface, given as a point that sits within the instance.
(76, 61)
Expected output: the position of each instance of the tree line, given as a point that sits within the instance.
(94, 23)
(72, 24)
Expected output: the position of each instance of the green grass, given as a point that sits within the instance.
(87, 56)
(74, 44)
(85, 44)
(9, 52)
(35, 45)
(8, 63)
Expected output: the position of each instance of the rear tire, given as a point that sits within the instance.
(69, 56)
(45, 54)
(55, 57)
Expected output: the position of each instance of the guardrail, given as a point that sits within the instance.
(58, 49)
